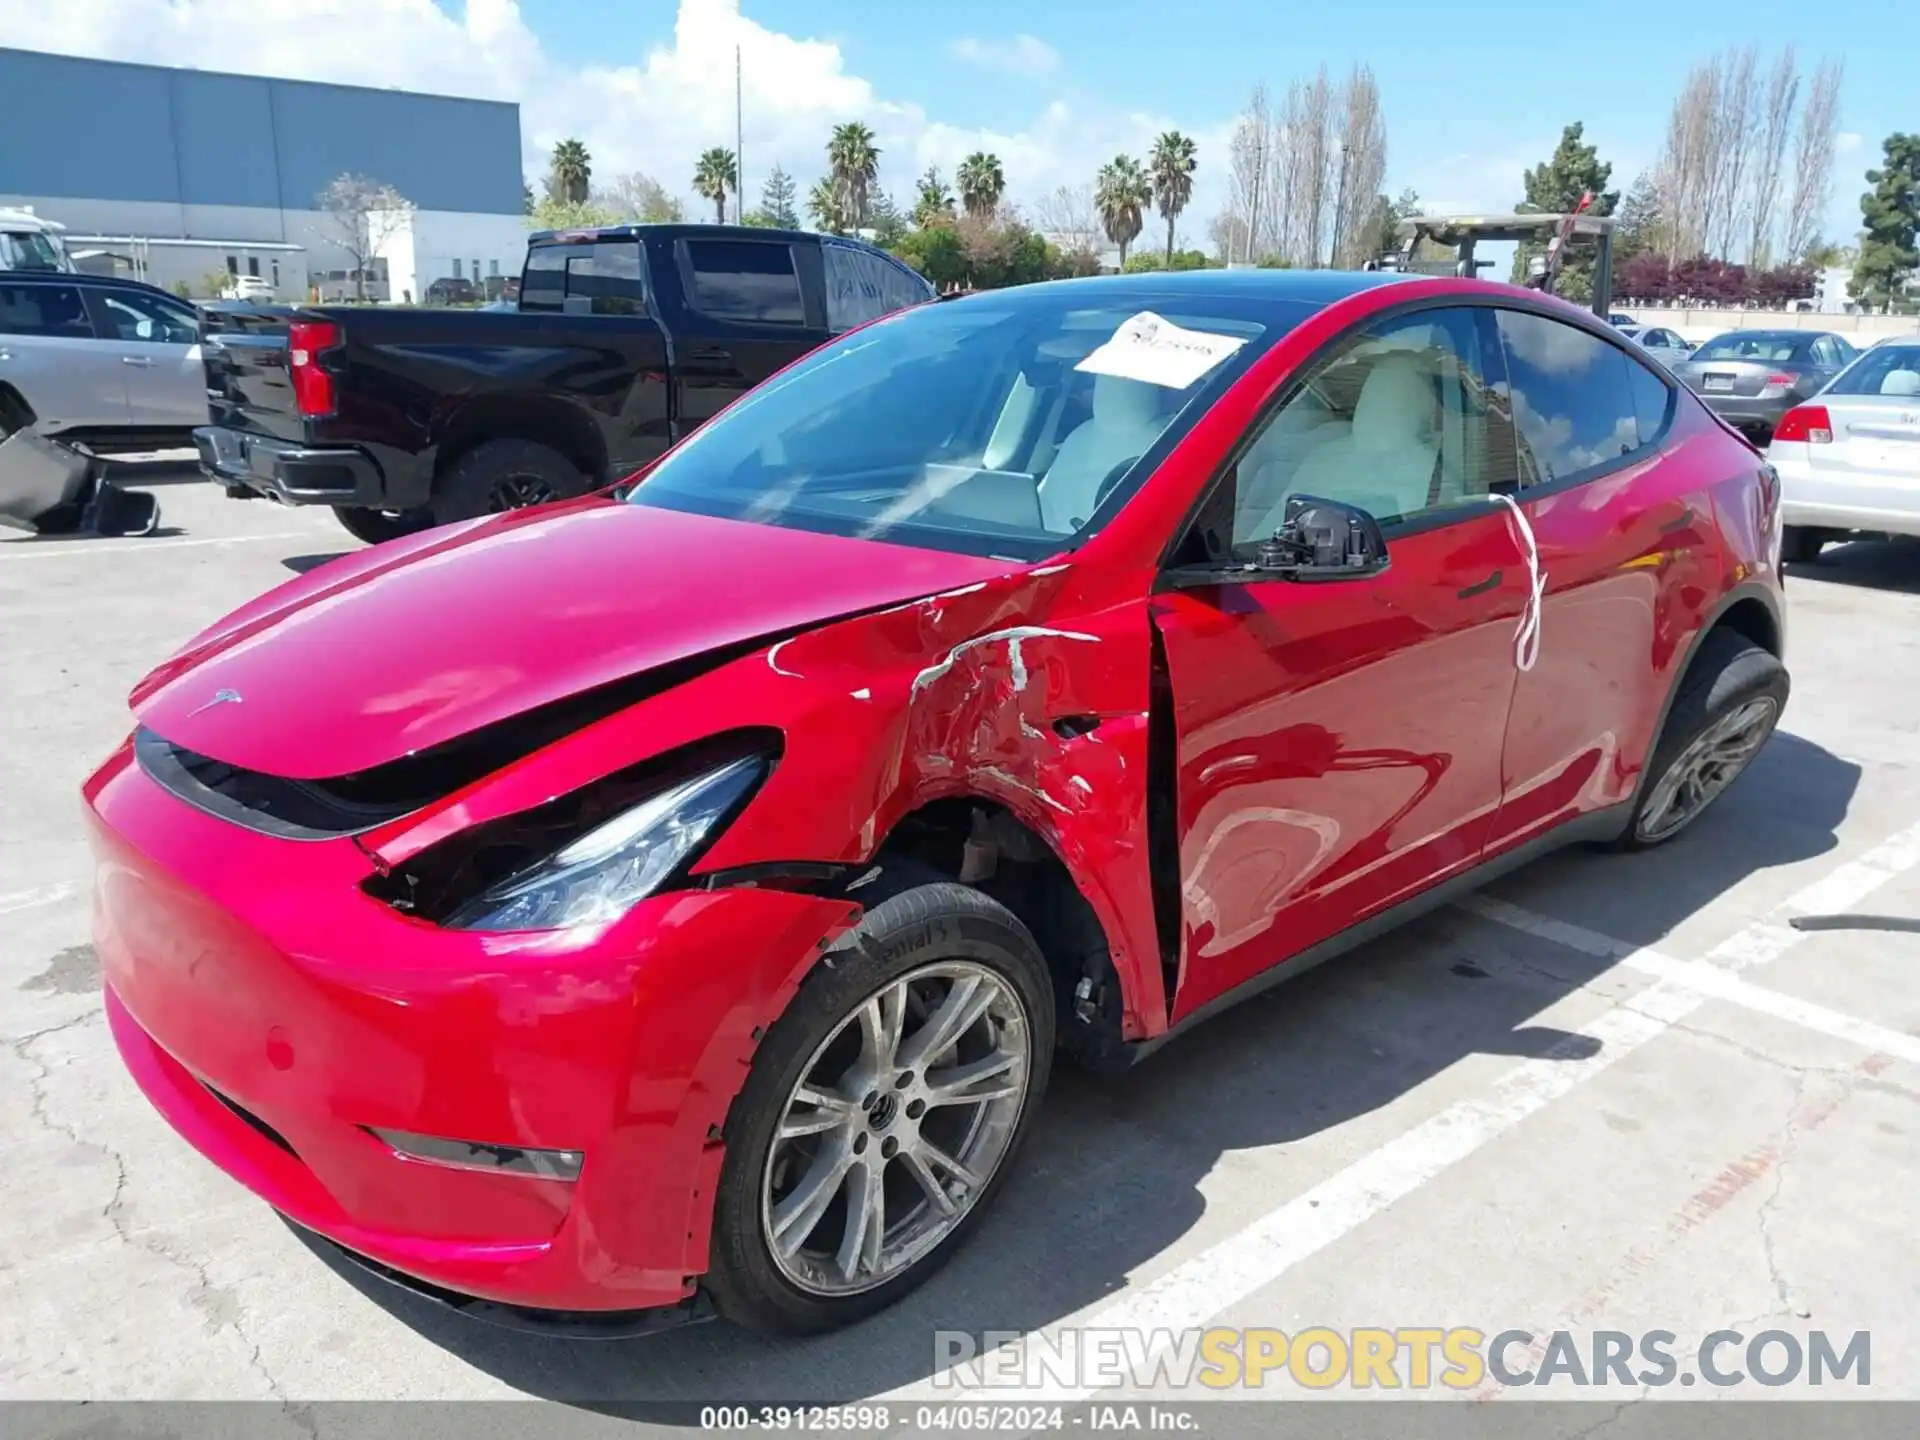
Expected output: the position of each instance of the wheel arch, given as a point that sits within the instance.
(543, 421)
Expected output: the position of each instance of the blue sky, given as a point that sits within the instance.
(1473, 93)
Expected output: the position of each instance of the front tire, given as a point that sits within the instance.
(882, 1113)
(1727, 708)
(504, 475)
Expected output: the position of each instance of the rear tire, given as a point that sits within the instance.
(504, 475)
(1728, 705)
(1801, 544)
(920, 944)
(377, 526)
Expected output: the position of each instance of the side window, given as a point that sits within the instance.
(1399, 421)
(863, 286)
(52, 310)
(603, 279)
(1826, 352)
(543, 285)
(1651, 401)
(751, 281)
(1572, 397)
(141, 317)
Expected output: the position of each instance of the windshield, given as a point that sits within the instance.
(1883, 370)
(1006, 424)
(1754, 347)
(30, 250)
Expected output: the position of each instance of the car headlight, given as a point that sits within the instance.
(604, 873)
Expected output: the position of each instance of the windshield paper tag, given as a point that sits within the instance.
(1159, 352)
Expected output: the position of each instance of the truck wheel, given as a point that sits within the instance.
(882, 1112)
(1729, 702)
(374, 526)
(504, 475)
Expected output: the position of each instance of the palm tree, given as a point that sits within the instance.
(713, 177)
(981, 183)
(1170, 168)
(933, 201)
(824, 204)
(1122, 195)
(853, 160)
(572, 172)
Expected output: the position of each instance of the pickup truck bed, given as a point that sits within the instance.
(624, 340)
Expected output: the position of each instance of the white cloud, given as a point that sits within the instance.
(1020, 55)
(1847, 141)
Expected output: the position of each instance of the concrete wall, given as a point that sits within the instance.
(1699, 325)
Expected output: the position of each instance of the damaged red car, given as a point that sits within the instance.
(674, 900)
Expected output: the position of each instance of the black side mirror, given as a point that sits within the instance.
(1324, 540)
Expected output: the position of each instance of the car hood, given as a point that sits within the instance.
(397, 649)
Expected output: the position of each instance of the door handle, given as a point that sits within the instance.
(142, 361)
(1684, 520)
(1492, 582)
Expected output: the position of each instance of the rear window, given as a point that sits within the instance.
(54, 310)
(601, 278)
(1754, 347)
(863, 285)
(750, 281)
(1883, 370)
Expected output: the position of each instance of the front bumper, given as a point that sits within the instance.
(276, 1015)
(292, 474)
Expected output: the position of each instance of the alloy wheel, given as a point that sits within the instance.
(1708, 764)
(516, 492)
(896, 1126)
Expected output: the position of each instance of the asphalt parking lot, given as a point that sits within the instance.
(1620, 1092)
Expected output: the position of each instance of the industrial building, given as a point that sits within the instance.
(184, 176)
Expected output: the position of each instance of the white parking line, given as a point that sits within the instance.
(1707, 980)
(28, 899)
(1243, 1264)
(67, 550)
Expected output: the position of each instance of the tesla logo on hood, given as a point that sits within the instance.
(220, 697)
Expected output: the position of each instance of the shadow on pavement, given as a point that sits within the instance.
(1111, 1176)
(301, 564)
(1870, 564)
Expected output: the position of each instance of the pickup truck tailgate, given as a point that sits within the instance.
(245, 354)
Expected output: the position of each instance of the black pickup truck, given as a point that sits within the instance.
(624, 339)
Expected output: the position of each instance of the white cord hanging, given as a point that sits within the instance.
(1526, 637)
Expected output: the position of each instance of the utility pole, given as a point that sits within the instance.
(739, 144)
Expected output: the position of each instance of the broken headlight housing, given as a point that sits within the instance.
(599, 876)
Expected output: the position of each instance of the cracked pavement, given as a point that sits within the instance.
(1736, 1172)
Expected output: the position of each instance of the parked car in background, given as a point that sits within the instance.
(685, 894)
(453, 290)
(623, 340)
(1750, 378)
(1849, 459)
(1663, 344)
(246, 287)
(110, 364)
(1619, 318)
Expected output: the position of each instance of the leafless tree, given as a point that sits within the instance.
(1316, 150)
(1736, 124)
(1249, 166)
(1776, 129)
(1813, 160)
(362, 215)
(1362, 167)
(1070, 219)
(1683, 177)
(637, 197)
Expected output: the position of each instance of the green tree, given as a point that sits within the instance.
(885, 219)
(553, 214)
(1121, 194)
(853, 160)
(526, 196)
(1556, 186)
(1170, 169)
(936, 252)
(1642, 224)
(981, 184)
(571, 177)
(1179, 260)
(932, 200)
(777, 198)
(1883, 275)
(713, 176)
(827, 207)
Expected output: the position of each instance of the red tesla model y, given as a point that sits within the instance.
(674, 899)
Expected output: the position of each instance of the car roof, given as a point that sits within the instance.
(675, 229)
(81, 277)
(1313, 287)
